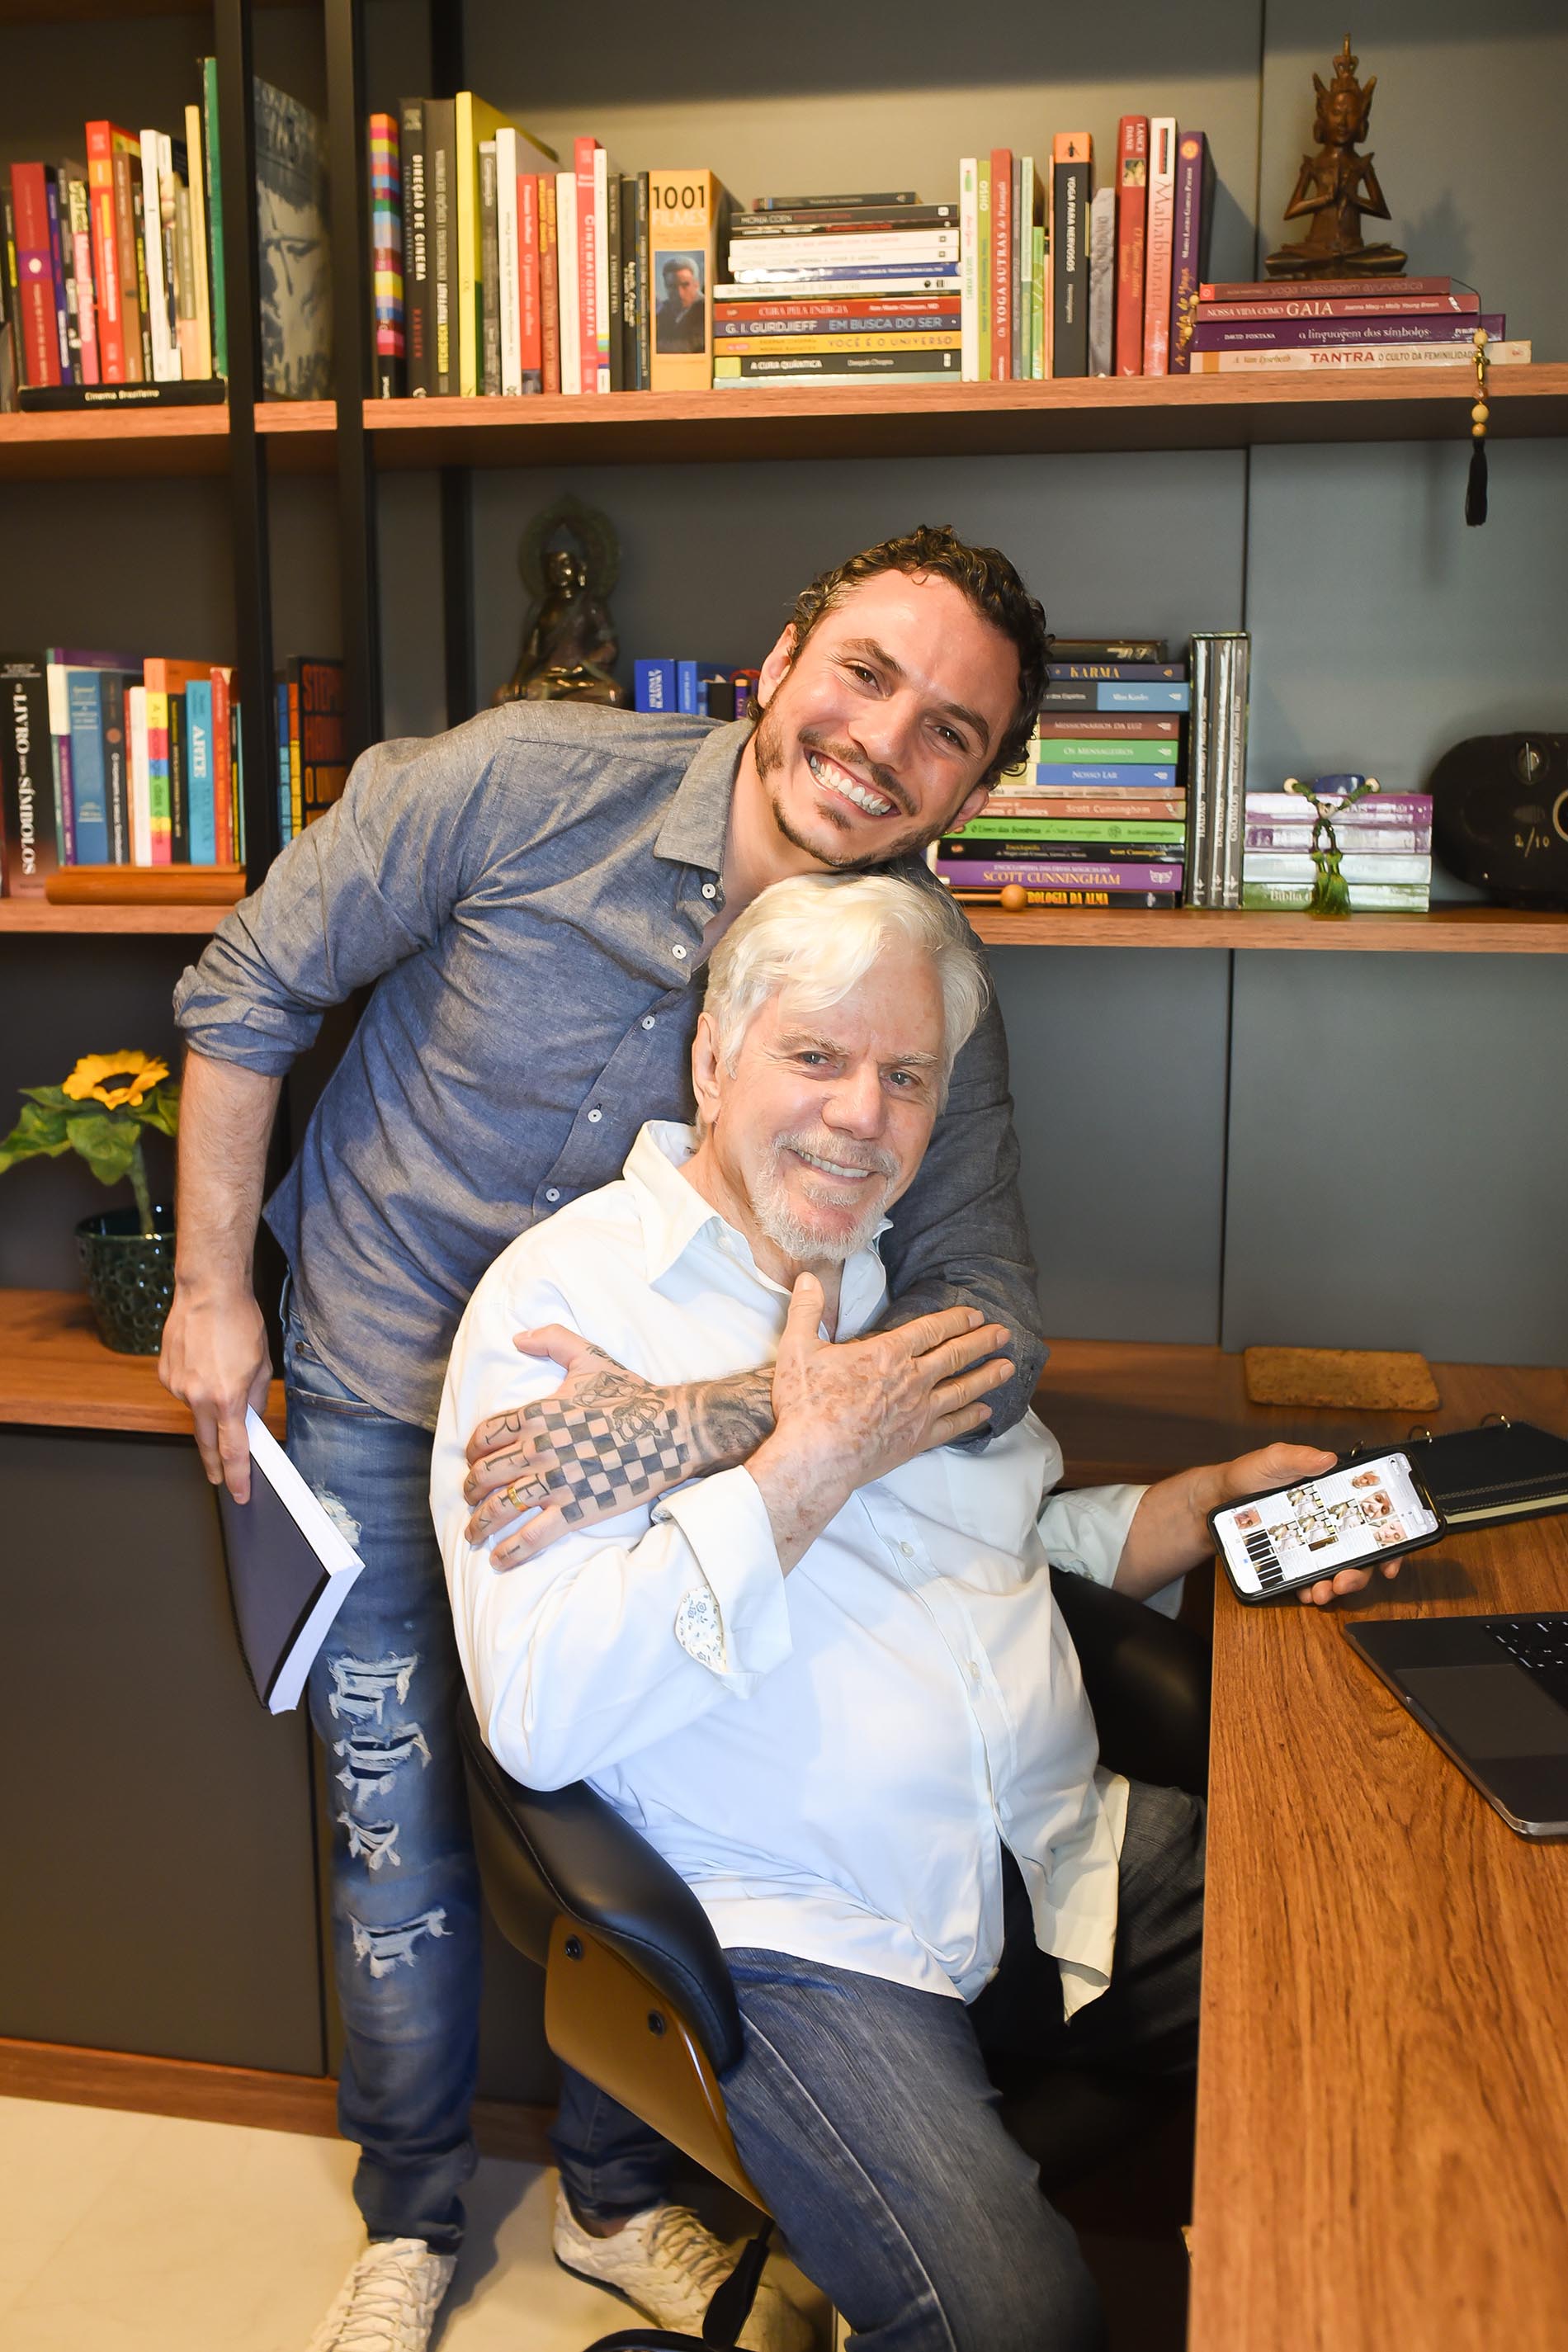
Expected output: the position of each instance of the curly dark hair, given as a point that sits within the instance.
(992, 586)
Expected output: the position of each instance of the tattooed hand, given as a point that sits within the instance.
(605, 1440)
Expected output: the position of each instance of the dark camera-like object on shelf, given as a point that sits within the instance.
(1499, 816)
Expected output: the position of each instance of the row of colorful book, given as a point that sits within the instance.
(496, 272)
(1384, 842)
(1097, 817)
(1264, 324)
(312, 737)
(111, 280)
(109, 760)
(697, 690)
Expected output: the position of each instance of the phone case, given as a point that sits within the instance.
(1295, 1584)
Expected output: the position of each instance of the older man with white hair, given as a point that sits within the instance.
(834, 1691)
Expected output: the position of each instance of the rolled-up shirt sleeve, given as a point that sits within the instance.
(1084, 1533)
(614, 1638)
(367, 885)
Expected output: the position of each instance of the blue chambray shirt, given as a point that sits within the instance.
(528, 893)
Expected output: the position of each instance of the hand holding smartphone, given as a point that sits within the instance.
(1370, 1510)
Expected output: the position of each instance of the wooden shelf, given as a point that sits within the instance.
(1447, 930)
(1464, 930)
(1094, 413)
(93, 445)
(38, 915)
(56, 1373)
(958, 420)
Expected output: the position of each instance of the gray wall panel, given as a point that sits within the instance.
(1119, 1061)
(1398, 1155)
(712, 557)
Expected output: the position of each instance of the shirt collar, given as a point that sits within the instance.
(693, 830)
(674, 1215)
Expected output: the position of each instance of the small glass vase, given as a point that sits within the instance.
(129, 1277)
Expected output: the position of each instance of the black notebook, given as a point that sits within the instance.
(290, 1569)
(1504, 1470)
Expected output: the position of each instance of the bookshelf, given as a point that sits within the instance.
(1094, 414)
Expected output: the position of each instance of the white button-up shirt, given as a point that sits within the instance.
(832, 1759)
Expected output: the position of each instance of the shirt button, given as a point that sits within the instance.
(550, 1193)
(709, 890)
(594, 1117)
(648, 1021)
(972, 1670)
(908, 1550)
(679, 953)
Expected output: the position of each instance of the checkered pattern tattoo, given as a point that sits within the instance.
(607, 1468)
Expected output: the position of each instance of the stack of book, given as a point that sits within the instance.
(698, 689)
(835, 288)
(1098, 818)
(109, 760)
(112, 284)
(1216, 767)
(497, 273)
(1385, 843)
(1345, 323)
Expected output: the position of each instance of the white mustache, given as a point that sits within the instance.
(866, 1158)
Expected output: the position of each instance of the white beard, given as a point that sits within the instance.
(798, 1239)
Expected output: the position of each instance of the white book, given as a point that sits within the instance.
(567, 249)
(601, 266)
(291, 1569)
(1348, 357)
(1102, 279)
(138, 780)
(507, 244)
(1356, 865)
(157, 157)
(794, 287)
(914, 248)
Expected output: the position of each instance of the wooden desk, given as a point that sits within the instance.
(1383, 2096)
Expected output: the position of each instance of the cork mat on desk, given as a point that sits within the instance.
(1369, 1380)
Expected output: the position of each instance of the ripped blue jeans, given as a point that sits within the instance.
(404, 1893)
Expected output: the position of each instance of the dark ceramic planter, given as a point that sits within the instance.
(129, 1277)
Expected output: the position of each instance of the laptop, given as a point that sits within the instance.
(1493, 1692)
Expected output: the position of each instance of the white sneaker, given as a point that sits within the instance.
(668, 2265)
(388, 2301)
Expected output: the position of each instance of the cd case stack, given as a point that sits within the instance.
(1217, 768)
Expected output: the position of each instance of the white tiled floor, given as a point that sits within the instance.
(139, 2233)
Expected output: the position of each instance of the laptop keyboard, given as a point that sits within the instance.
(1539, 1644)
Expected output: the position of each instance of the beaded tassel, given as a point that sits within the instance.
(1476, 488)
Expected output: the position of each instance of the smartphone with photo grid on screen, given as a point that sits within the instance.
(1372, 1509)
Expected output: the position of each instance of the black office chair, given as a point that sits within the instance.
(637, 1994)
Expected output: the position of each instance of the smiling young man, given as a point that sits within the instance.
(531, 898)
